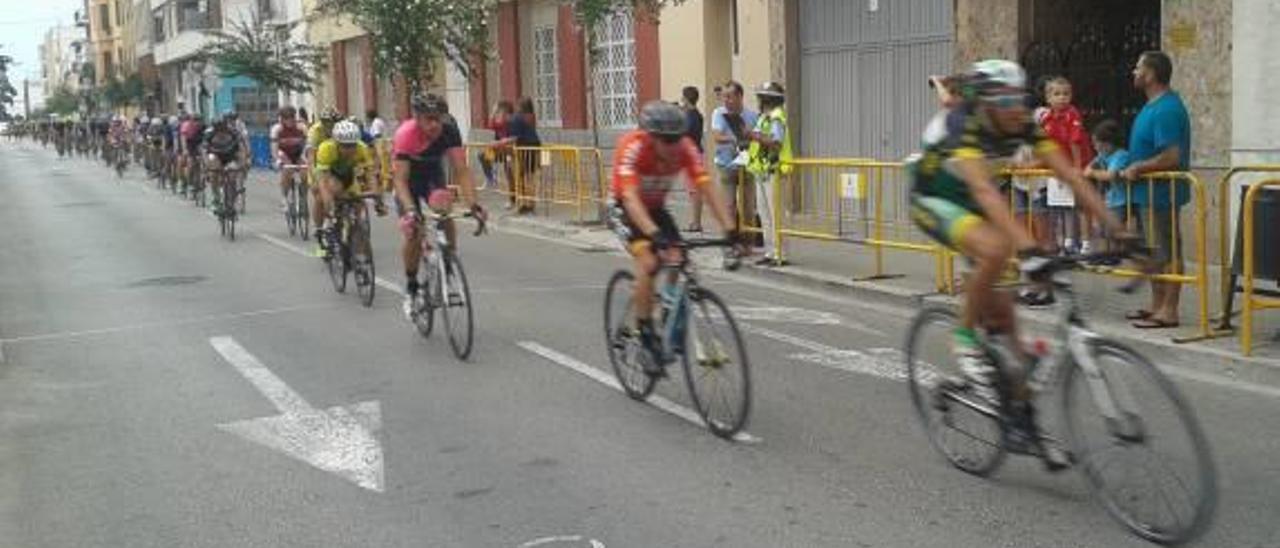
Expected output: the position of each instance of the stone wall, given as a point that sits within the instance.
(985, 29)
(1197, 36)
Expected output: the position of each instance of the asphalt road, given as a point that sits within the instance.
(159, 385)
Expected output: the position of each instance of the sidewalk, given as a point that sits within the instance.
(833, 266)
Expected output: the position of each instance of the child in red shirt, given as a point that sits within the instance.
(1064, 124)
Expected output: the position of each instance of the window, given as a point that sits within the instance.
(257, 106)
(104, 19)
(733, 26)
(157, 25)
(545, 75)
(615, 72)
(120, 13)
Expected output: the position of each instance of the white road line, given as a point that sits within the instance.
(343, 440)
(608, 380)
(169, 323)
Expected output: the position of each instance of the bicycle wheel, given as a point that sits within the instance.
(715, 364)
(362, 261)
(424, 316)
(622, 340)
(291, 210)
(242, 194)
(304, 213)
(968, 435)
(229, 197)
(337, 258)
(1121, 458)
(455, 305)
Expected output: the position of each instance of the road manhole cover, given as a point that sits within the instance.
(167, 281)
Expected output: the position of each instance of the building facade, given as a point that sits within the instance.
(106, 18)
(61, 56)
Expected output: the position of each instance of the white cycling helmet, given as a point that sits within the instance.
(156, 121)
(346, 133)
(996, 73)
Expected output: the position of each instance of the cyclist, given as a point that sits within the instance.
(116, 139)
(419, 149)
(317, 134)
(190, 134)
(288, 140)
(344, 165)
(155, 142)
(225, 147)
(646, 165)
(955, 200)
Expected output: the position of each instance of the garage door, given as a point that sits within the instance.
(863, 68)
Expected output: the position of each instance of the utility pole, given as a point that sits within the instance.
(26, 98)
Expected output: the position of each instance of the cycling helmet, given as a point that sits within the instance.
(429, 103)
(229, 115)
(157, 121)
(770, 89)
(991, 74)
(288, 111)
(346, 133)
(173, 120)
(663, 119)
(330, 115)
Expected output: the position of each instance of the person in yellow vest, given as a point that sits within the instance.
(768, 158)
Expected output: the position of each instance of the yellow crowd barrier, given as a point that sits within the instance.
(1224, 237)
(546, 176)
(1034, 181)
(1252, 303)
(859, 201)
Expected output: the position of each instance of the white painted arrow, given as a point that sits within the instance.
(342, 440)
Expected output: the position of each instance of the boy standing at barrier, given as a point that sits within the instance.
(1063, 123)
(1105, 169)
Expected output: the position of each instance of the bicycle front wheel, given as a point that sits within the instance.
(622, 339)
(337, 258)
(362, 261)
(965, 432)
(455, 304)
(715, 364)
(1139, 445)
(291, 210)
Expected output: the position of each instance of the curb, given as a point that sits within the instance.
(1211, 365)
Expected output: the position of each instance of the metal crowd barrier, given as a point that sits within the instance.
(1034, 180)
(1227, 285)
(1252, 302)
(858, 201)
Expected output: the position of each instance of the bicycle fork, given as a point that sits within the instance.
(1116, 404)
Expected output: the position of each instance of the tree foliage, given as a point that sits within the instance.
(411, 37)
(591, 13)
(265, 54)
(120, 93)
(7, 92)
(62, 101)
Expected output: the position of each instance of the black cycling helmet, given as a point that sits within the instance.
(429, 104)
(663, 119)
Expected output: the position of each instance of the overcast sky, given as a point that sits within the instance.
(22, 27)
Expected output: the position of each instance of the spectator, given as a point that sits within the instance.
(1160, 141)
(522, 132)
(1106, 167)
(694, 123)
(304, 117)
(376, 128)
(498, 120)
(731, 124)
(769, 152)
(1063, 123)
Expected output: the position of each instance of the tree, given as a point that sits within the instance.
(265, 54)
(410, 37)
(7, 92)
(591, 13)
(62, 101)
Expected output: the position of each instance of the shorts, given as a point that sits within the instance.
(944, 220)
(631, 236)
(436, 195)
(193, 148)
(225, 158)
(294, 158)
(1164, 234)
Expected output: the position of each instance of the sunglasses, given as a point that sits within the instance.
(1007, 100)
(669, 139)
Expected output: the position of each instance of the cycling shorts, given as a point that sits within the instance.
(632, 238)
(944, 220)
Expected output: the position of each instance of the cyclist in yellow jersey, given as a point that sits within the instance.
(955, 201)
(316, 136)
(344, 166)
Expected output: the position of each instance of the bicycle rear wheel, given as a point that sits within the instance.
(304, 211)
(715, 364)
(1164, 499)
(455, 305)
(362, 261)
(425, 313)
(291, 210)
(229, 196)
(621, 338)
(968, 434)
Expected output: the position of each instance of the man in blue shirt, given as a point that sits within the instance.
(1160, 141)
(731, 125)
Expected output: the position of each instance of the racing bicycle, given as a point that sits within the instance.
(445, 285)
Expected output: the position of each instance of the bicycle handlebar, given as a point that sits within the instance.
(480, 221)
